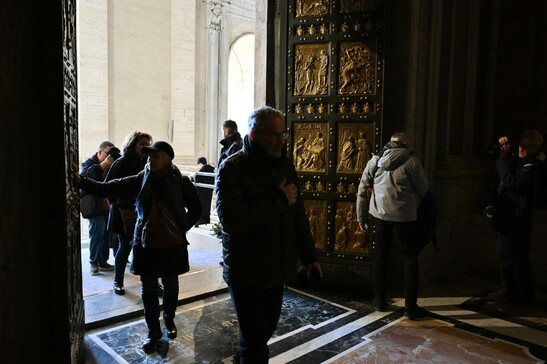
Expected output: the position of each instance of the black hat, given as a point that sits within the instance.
(114, 152)
(202, 160)
(159, 146)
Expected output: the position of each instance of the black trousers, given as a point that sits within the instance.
(514, 261)
(258, 310)
(405, 234)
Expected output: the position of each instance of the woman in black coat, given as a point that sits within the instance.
(167, 207)
(122, 215)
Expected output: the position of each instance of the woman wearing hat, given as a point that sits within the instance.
(167, 207)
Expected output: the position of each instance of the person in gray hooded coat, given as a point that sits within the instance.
(391, 188)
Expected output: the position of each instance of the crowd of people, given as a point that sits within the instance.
(142, 198)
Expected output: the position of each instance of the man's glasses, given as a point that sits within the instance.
(283, 135)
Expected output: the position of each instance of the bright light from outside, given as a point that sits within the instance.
(241, 81)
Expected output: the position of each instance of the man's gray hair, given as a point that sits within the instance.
(535, 137)
(105, 145)
(260, 116)
(400, 138)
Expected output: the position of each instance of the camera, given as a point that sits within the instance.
(494, 150)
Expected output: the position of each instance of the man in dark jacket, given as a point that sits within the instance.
(96, 167)
(205, 193)
(232, 142)
(513, 215)
(264, 228)
(167, 206)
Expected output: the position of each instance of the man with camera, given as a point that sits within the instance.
(512, 213)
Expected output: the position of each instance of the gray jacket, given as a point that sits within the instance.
(398, 187)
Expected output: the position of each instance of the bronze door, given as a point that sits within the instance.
(333, 101)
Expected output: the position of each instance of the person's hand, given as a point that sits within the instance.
(76, 173)
(504, 150)
(503, 140)
(107, 162)
(314, 265)
(289, 190)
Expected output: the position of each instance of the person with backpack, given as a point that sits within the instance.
(519, 167)
(391, 188)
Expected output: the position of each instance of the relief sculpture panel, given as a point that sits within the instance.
(316, 211)
(354, 147)
(348, 236)
(356, 73)
(347, 6)
(312, 7)
(311, 65)
(310, 147)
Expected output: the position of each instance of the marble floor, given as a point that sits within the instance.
(102, 306)
(322, 326)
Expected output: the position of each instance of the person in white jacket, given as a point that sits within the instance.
(391, 188)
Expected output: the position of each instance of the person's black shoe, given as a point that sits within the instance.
(380, 306)
(415, 312)
(160, 290)
(171, 330)
(118, 289)
(149, 345)
(503, 294)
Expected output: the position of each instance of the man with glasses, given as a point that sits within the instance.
(96, 167)
(265, 230)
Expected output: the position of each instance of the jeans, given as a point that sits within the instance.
(258, 310)
(404, 233)
(99, 240)
(150, 301)
(122, 255)
(514, 261)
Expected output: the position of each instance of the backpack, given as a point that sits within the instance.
(429, 218)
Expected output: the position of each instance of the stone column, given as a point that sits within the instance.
(215, 26)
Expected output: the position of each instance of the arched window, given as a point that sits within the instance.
(241, 81)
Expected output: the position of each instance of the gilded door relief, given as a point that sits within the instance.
(347, 6)
(356, 74)
(354, 147)
(310, 147)
(348, 236)
(311, 64)
(312, 7)
(316, 211)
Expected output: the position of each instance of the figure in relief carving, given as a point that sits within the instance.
(298, 158)
(316, 149)
(298, 109)
(351, 224)
(299, 68)
(323, 29)
(355, 108)
(315, 7)
(340, 188)
(347, 162)
(310, 109)
(321, 109)
(309, 71)
(363, 152)
(323, 69)
(352, 188)
(319, 187)
(356, 73)
(367, 108)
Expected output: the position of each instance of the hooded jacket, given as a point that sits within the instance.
(399, 183)
(262, 235)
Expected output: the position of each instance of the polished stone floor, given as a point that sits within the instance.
(322, 326)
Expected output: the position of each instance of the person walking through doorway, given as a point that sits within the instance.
(167, 207)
